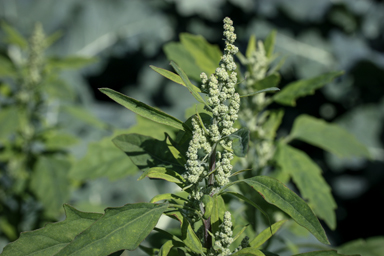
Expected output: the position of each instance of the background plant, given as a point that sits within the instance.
(146, 152)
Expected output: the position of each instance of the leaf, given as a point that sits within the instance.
(59, 140)
(84, 115)
(248, 252)
(70, 62)
(50, 183)
(13, 36)
(143, 109)
(373, 246)
(271, 80)
(119, 228)
(261, 238)
(175, 152)
(6, 68)
(177, 52)
(272, 124)
(297, 89)
(190, 239)
(206, 56)
(171, 76)
(240, 141)
(271, 89)
(9, 119)
(146, 152)
(164, 174)
(53, 237)
(251, 46)
(235, 237)
(167, 246)
(324, 253)
(307, 176)
(103, 159)
(189, 85)
(149, 251)
(218, 210)
(276, 193)
(269, 43)
(167, 196)
(327, 136)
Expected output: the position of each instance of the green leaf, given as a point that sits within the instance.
(146, 152)
(53, 237)
(206, 56)
(175, 152)
(149, 251)
(373, 246)
(251, 46)
(143, 109)
(240, 141)
(84, 115)
(6, 67)
(9, 119)
(13, 36)
(70, 62)
(190, 239)
(103, 159)
(167, 246)
(271, 89)
(269, 81)
(218, 210)
(167, 196)
(269, 43)
(119, 228)
(177, 52)
(276, 193)
(248, 252)
(58, 140)
(50, 183)
(261, 238)
(164, 174)
(297, 89)
(189, 85)
(272, 124)
(325, 253)
(307, 176)
(327, 136)
(238, 234)
(171, 76)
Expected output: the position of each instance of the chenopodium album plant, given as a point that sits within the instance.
(200, 161)
(34, 159)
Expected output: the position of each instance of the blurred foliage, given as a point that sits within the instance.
(315, 36)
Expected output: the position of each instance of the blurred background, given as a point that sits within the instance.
(126, 36)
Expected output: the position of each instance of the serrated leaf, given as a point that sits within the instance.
(13, 36)
(271, 80)
(271, 89)
(373, 246)
(119, 228)
(50, 183)
(297, 89)
(276, 193)
(269, 43)
(248, 252)
(307, 176)
(327, 136)
(240, 141)
(261, 238)
(53, 237)
(217, 215)
(70, 62)
(188, 84)
(206, 56)
(146, 152)
(324, 253)
(164, 174)
(143, 109)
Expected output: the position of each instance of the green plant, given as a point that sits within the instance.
(198, 160)
(34, 156)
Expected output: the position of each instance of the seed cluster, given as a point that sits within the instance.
(224, 236)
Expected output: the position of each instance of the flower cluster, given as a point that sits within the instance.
(225, 104)
(224, 236)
